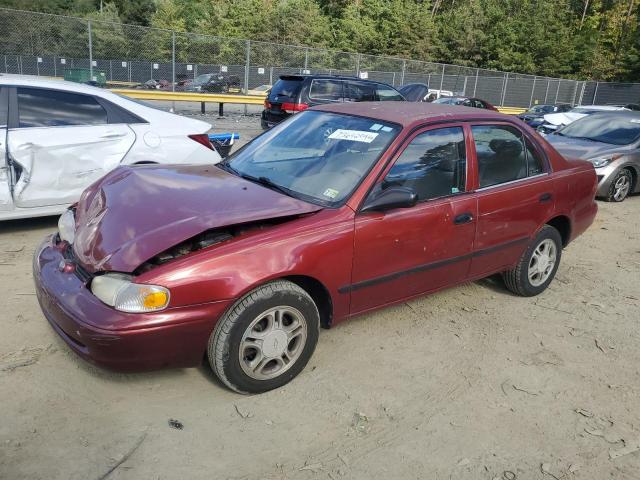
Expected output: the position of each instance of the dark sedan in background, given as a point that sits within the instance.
(466, 102)
(611, 142)
(534, 117)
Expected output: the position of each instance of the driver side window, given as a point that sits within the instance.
(433, 165)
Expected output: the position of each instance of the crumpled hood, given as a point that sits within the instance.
(564, 118)
(135, 213)
(580, 148)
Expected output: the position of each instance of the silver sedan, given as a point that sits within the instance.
(611, 142)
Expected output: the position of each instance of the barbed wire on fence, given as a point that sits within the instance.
(42, 44)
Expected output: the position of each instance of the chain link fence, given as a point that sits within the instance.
(128, 55)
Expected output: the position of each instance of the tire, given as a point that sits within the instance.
(256, 314)
(518, 280)
(621, 186)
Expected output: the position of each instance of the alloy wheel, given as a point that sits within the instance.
(542, 262)
(273, 342)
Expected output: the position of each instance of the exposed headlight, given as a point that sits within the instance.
(67, 226)
(118, 291)
(600, 162)
(604, 161)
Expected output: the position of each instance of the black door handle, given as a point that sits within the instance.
(463, 218)
(545, 197)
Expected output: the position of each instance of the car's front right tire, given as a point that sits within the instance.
(265, 339)
(620, 186)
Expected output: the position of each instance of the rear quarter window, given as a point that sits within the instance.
(285, 88)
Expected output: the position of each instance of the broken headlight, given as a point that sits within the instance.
(118, 291)
(67, 226)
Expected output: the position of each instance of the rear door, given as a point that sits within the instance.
(61, 143)
(514, 192)
(6, 202)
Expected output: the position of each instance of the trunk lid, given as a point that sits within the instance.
(135, 213)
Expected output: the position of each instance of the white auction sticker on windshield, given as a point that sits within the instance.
(331, 193)
(353, 135)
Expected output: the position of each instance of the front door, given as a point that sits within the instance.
(61, 144)
(407, 251)
(515, 196)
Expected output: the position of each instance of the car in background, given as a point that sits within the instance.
(262, 90)
(214, 83)
(294, 93)
(611, 142)
(57, 138)
(415, 92)
(534, 117)
(554, 121)
(242, 263)
(466, 102)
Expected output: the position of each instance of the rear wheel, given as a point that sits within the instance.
(620, 186)
(538, 264)
(265, 339)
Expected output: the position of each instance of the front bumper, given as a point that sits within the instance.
(176, 337)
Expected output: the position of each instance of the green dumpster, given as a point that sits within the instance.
(83, 75)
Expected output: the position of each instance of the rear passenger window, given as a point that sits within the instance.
(385, 93)
(502, 155)
(53, 108)
(326, 91)
(432, 165)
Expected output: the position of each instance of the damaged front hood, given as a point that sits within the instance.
(135, 213)
(560, 119)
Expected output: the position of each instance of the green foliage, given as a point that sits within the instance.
(597, 39)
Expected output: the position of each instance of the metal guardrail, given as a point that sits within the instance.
(202, 98)
(222, 98)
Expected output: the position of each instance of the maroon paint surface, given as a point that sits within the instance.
(364, 261)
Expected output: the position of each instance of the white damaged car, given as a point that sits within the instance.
(56, 138)
(554, 121)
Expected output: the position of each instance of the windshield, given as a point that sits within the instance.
(316, 156)
(201, 79)
(612, 129)
(449, 100)
(414, 92)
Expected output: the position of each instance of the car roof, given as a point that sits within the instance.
(604, 108)
(410, 114)
(43, 82)
(635, 115)
(327, 76)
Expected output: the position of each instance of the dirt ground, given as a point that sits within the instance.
(471, 383)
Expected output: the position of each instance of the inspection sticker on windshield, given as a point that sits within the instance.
(353, 135)
(331, 193)
(375, 127)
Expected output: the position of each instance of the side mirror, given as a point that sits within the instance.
(389, 198)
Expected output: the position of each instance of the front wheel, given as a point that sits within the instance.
(620, 186)
(538, 264)
(265, 339)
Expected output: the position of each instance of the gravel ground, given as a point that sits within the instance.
(470, 383)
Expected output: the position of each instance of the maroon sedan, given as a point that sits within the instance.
(337, 211)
